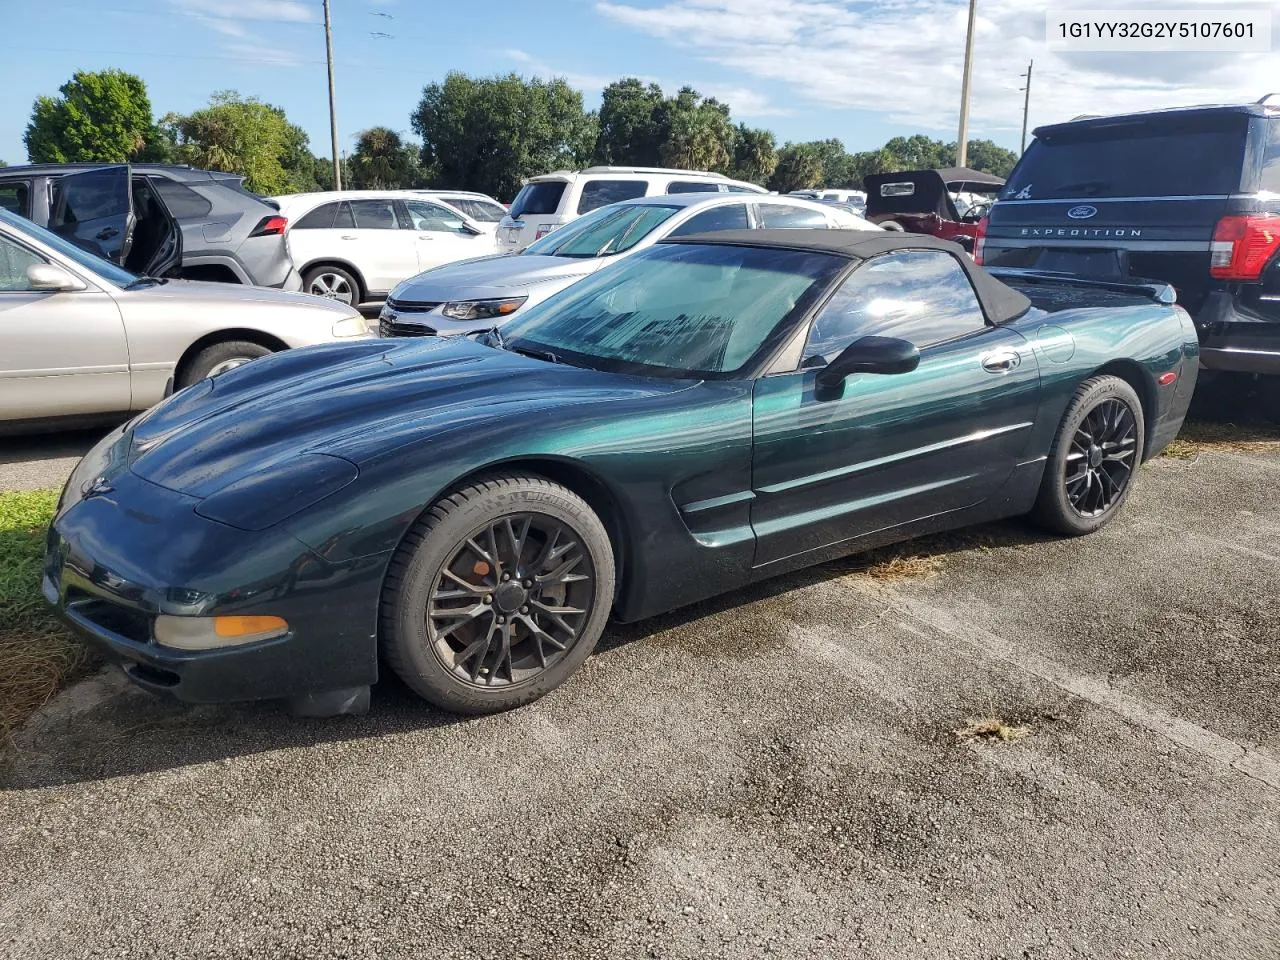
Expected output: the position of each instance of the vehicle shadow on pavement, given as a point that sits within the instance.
(106, 728)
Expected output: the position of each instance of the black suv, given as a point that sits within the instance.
(1188, 196)
(226, 232)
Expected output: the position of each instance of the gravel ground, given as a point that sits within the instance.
(773, 774)
(42, 461)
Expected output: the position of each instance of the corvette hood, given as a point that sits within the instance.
(492, 277)
(356, 401)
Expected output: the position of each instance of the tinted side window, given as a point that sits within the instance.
(734, 188)
(431, 217)
(539, 199)
(183, 202)
(15, 197)
(321, 218)
(345, 219)
(687, 186)
(601, 193)
(777, 216)
(14, 261)
(1270, 179)
(919, 295)
(732, 216)
(374, 214)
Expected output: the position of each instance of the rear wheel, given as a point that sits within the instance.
(333, 283)
(1093, 458)
(497, 595)
(219, 358)
(893, 225)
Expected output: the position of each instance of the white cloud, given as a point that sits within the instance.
(904, 58)
(249, 23)
(744, 101)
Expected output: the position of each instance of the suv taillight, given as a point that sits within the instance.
(270, 227)
(979, 240)
(1242, 245)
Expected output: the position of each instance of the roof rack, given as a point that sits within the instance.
(683, 173)
(1265, 97)
(1087, 116)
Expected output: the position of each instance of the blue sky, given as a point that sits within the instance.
(861, 71)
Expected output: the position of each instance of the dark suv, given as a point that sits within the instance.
(1188, 196)
(227, 233)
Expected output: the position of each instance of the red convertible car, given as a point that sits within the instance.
(945, 203)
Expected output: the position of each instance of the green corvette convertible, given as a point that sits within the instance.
(710, 412)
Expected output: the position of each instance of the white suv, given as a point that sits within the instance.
(355, 245)
(555, 199)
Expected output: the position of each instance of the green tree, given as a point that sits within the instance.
(755, 154)
(629, 131)
(991, 158)
(696, 132)
(97, 117)
(919, 152)
(383, 161)
(246, 136)
(799, 167)
(491, 134)
(4, 163)
(836, 161)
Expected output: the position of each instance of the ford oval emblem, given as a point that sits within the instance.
(1082, 212)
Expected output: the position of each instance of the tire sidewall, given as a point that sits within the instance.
(1055, 507)
(211, 356)
(347, 275)
(427, 675)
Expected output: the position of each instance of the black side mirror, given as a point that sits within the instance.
(870, 355)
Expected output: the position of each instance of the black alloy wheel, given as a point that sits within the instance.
(498, 593)
(511, 600)
(1091, 464)
(1101, 462)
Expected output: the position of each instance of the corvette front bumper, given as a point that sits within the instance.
(117, 559)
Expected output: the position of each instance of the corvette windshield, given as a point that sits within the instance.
(603, 232)
(678, 310)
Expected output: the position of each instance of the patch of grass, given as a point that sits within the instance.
(1198, 436)
(990, 728)
(37, 655)
(913, 567)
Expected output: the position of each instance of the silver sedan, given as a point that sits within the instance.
(82, 337)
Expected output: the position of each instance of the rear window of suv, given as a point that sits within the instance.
(539, 199)
(1201, 156)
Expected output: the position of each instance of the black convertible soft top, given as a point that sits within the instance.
(1000, 303)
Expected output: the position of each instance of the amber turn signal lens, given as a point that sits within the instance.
(248, 626)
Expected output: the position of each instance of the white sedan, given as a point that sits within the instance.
(355, 245)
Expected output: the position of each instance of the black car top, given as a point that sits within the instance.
(1000, 303)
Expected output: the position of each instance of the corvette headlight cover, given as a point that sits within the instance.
(482, 309)
(350, 327)
(262, 500)
(212, 633)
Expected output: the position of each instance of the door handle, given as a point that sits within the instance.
(347, 236)
(425, 236)
(1001, 362)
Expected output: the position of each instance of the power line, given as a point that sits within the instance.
(184, 12)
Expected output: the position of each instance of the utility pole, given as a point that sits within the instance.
(1026, 105)
(962, 142)
(333, 109)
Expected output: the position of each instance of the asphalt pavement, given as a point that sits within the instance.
(39, 461)
(771, 774)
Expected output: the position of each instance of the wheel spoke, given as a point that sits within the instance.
(524, 613)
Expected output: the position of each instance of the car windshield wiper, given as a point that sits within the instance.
(145, 281)
(535, 353)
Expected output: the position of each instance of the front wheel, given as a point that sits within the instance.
(333, 283)
(1091, 464)
(498, 593)
(219, 358)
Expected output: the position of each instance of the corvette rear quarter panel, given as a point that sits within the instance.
(675, 471)
(1138, 343)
